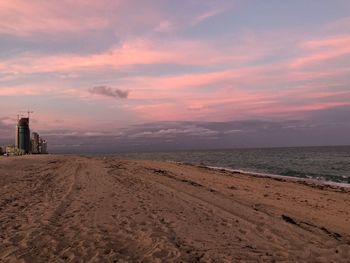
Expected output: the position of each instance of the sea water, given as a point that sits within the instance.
(331, 163)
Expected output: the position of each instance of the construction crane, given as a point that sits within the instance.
(28, 112)
(22, 114)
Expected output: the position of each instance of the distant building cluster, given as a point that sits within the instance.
(25, 143)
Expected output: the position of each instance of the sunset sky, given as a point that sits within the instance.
(110, 69)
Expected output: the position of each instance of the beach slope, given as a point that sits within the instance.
(85, 209)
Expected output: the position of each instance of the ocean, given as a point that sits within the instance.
(330, 164)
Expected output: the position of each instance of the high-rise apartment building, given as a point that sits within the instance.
(16, 139)
(23, 137)
(35, 143)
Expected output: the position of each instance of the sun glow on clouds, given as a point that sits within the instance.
(169, 69)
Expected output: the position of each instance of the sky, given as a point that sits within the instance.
(160, 74)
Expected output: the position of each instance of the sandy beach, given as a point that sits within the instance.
(89, 209)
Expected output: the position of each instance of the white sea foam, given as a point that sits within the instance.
(283, 177)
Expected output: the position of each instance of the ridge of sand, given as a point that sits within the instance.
(80, 209)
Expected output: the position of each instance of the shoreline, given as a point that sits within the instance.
(287, 178)
(308, 181)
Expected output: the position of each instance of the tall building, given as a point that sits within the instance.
(42, 146)
(16, 143)
(24, 135)
(35, 143)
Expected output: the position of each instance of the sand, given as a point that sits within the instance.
(80, 209)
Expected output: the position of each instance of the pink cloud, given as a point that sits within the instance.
(209, 14)
(25, 91)
(218, 106)
(328, 42)
(226, 109)
(130, 53)
(23, 18)
(282, 109)
(276, 75)
(56, 120)
(327, 94)
(239, 84)
(236, 93)
(47, 90)
(342, 24)
(322, 50)
(160, 112)
(164, 26)
(231, 102)
(172, 23)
